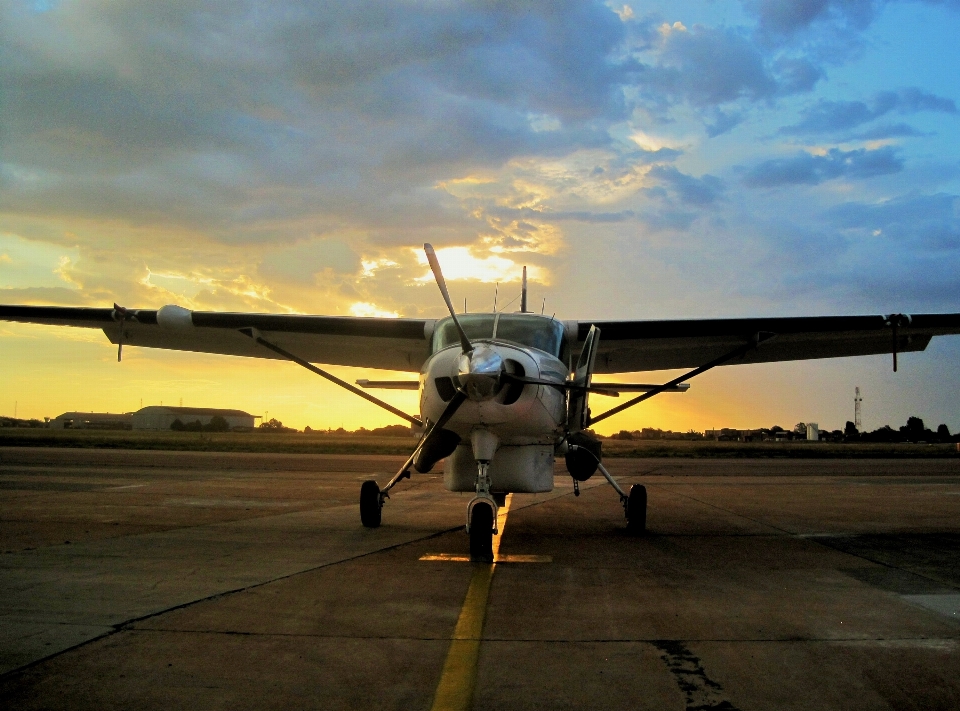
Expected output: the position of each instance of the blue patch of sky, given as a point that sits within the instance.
(41, 6)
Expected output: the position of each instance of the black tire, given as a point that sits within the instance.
(370, 504)
(637, 510)
(481, 534)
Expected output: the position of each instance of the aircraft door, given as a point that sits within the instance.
(577, 403)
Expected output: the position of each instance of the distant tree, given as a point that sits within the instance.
(195, 426)
(943, 433)
(800, 428)
(850, 430)
(883, 434)
(775, 429)
(622, 434)
(177, 425)
(914, 429)
(217, 424)
(272, 424)
(391, 431)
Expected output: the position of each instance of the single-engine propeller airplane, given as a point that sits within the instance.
(502, 394)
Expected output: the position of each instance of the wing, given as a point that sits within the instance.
(632, 346)
(387, 343)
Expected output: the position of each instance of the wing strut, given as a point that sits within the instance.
(255, 335)
(757, 339)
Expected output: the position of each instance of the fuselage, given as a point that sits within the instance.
(521, 415)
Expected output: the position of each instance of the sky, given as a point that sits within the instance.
(644, 160)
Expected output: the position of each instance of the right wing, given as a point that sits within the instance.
(388, 343)
(633, 346)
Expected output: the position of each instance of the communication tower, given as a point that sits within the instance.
(856, 409)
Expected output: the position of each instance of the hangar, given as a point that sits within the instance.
(161, 417)
(92, 421)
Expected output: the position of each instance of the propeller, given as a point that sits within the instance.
(480, 368)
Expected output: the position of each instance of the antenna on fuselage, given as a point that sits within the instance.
(523, 292)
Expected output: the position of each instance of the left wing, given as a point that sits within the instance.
(388, 343)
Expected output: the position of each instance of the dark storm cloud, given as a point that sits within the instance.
(832, 116)
(807, 169)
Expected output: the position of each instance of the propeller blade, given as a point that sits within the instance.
(449, 411)
(438, 275)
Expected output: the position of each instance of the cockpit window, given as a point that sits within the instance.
(522, 329)
(534, 331)
(476, 326)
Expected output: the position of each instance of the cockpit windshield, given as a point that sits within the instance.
(527, 330)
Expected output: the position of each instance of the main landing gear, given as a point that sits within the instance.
(634, 503)
(635, 509)
(370, 504)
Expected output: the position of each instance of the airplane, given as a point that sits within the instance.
(502, 394)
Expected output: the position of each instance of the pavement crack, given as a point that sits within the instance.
(700, 691)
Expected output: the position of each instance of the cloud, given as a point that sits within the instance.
(242, 120)
(700, 192)
(709, 66)
(826, 117)
(884, 131)
(723, 123)
(789, 16)
(932, 222)
(807, 169)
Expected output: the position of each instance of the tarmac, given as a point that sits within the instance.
(140, 579)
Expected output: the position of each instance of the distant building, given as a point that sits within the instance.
(92, 421)
(813, 432)
(161, 417)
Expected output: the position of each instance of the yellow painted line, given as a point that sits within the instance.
(524, 558)
(460, 558)
(459, 676)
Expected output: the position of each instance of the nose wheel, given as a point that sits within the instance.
(481, 533)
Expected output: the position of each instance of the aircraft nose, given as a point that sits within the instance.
(479, 372)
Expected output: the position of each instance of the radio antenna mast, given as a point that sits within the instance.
(857, 422)
(523, 293)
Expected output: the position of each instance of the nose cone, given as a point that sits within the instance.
(479, 372)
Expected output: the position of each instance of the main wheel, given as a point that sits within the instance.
(637, 510)
(481, 534)
(370, 504)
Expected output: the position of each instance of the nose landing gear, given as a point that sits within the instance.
(482, 509)
(482, 517)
